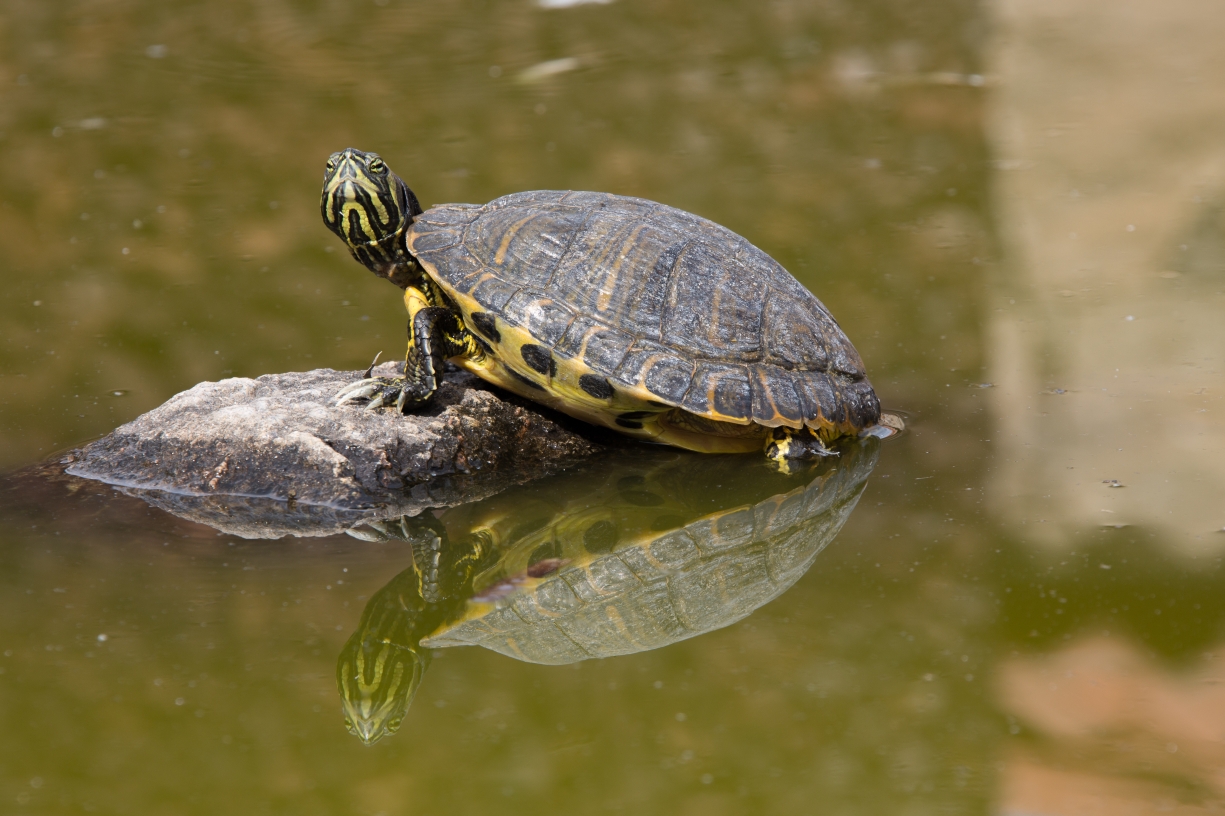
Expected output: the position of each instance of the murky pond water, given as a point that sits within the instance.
(1017, 213)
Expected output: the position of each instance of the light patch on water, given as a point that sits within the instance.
(543, 70)
(556, 4)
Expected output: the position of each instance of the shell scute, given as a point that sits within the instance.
(604, 577)
(551, 598)
(539, 315)
(774, 518)
(620, 205)
(447, 214)
(748, 582)
(732, 529)
(492, 292)
(617, 270)
(656, 367)
(816, 394)
(601, 348)
(527, 198)
(794, 335)
(455, 264)
(721, 389)
(714, 306)
(862, 404)
(436, 239)
(845, 360)
(673, 551)
(524, 243)
(718, 238)
(775, 400)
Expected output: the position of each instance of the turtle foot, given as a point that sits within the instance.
(785, 446)
(379, 391)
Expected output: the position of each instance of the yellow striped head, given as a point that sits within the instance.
(378, 680)
(369, 207)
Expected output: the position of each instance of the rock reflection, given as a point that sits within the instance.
(1107, 729)
(620, 557)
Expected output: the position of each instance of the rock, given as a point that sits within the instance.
(274, 456)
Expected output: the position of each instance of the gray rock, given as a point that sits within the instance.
(274, 456)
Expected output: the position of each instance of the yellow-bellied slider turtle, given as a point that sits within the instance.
(619, 311)
(627, 555)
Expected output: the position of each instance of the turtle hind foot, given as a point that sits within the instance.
(785, 446)
(380, 392)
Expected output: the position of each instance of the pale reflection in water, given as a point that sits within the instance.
(621, 557)
(1110, 731)
(1106, 329)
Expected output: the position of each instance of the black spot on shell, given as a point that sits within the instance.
(525, 380)
(600, 537)
(628, 423)
(642, 498)
(597, 387)
(538, 359)
(545, 552)
(487, 325)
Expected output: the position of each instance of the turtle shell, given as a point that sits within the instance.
(627, 570)
(649, 300)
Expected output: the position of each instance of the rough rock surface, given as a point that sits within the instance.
(275, 456)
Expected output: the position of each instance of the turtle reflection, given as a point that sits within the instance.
(610, 560)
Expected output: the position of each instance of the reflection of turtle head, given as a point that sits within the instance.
(381, 667)
(377, 680)
(369, 207)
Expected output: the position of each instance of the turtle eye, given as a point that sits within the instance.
(377, 166)
(331, 165)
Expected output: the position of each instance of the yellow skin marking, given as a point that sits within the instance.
(374, 701)
(414, 301)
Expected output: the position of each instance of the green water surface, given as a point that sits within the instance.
(1017, 214)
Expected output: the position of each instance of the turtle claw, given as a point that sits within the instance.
(373, 363)
(361, 389)
(382, 392)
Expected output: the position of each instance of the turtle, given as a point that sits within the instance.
(624, 555)
(622, 312)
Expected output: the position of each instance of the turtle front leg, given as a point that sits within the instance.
(785, 445)
(435, 334)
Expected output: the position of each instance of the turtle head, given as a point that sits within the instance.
(378, 680)
(370, 208)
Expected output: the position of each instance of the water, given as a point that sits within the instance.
(1014, 210)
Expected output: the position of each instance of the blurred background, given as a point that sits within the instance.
(1015, 210)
